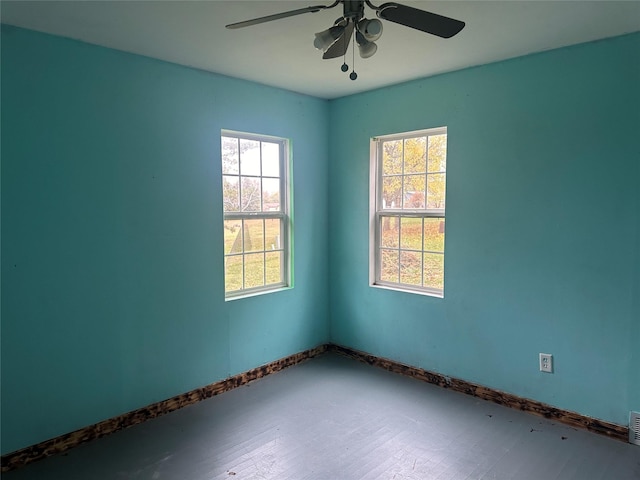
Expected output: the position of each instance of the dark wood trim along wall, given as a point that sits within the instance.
(573, 419)
(67, 441)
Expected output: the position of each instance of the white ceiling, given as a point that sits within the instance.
(281, 53)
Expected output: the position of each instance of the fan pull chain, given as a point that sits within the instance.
(344, 66)
(353, 75)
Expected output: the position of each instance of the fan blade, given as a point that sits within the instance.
(278, 16)
(428, 22)
(340, 46)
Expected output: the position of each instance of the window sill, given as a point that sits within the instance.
(404, 289)
(255, 293)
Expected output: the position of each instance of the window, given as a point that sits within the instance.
(408, 179)
(256, 213)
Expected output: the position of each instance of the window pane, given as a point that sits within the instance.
(434, 270)
(391, 192)
(415, 155)
(414, 191)
(392, 157)
(230, 194)
(249, 157)
(435, 190)
(230, 155)
(409, 200)
(250, 194)
(273, 234)
(274, 267)
(233, 273)
(270, 195)
(389, 266)
(437, 153)
(434, 234)
(255, 205)
(411, 268)
(411, 233)
(232, 236)
(389, 231)
(270, 159)
(253, 235)
(254, 270)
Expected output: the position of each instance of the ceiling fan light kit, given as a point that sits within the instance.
(328, 37)
(334, 42)
(366, 48)
(370, 29)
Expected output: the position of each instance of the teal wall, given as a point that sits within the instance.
(112, 283)
(543, 227)
(112, 271)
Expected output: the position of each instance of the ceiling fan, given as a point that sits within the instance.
(334, 42)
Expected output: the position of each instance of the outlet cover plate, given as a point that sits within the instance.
(546, 362)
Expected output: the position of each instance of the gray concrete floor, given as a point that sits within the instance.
(334, 418)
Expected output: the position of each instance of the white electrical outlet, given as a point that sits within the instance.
(546, 362)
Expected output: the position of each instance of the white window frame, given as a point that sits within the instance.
(283, 215)
(377, 212)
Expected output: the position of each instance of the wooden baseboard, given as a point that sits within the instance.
(573, 419)
(67, 441)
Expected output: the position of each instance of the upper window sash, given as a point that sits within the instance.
(258, 173)
(379, 170)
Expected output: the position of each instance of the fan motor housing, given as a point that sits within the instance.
(353, 9)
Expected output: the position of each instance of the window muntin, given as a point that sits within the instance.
(256, 219)
(408, 207)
